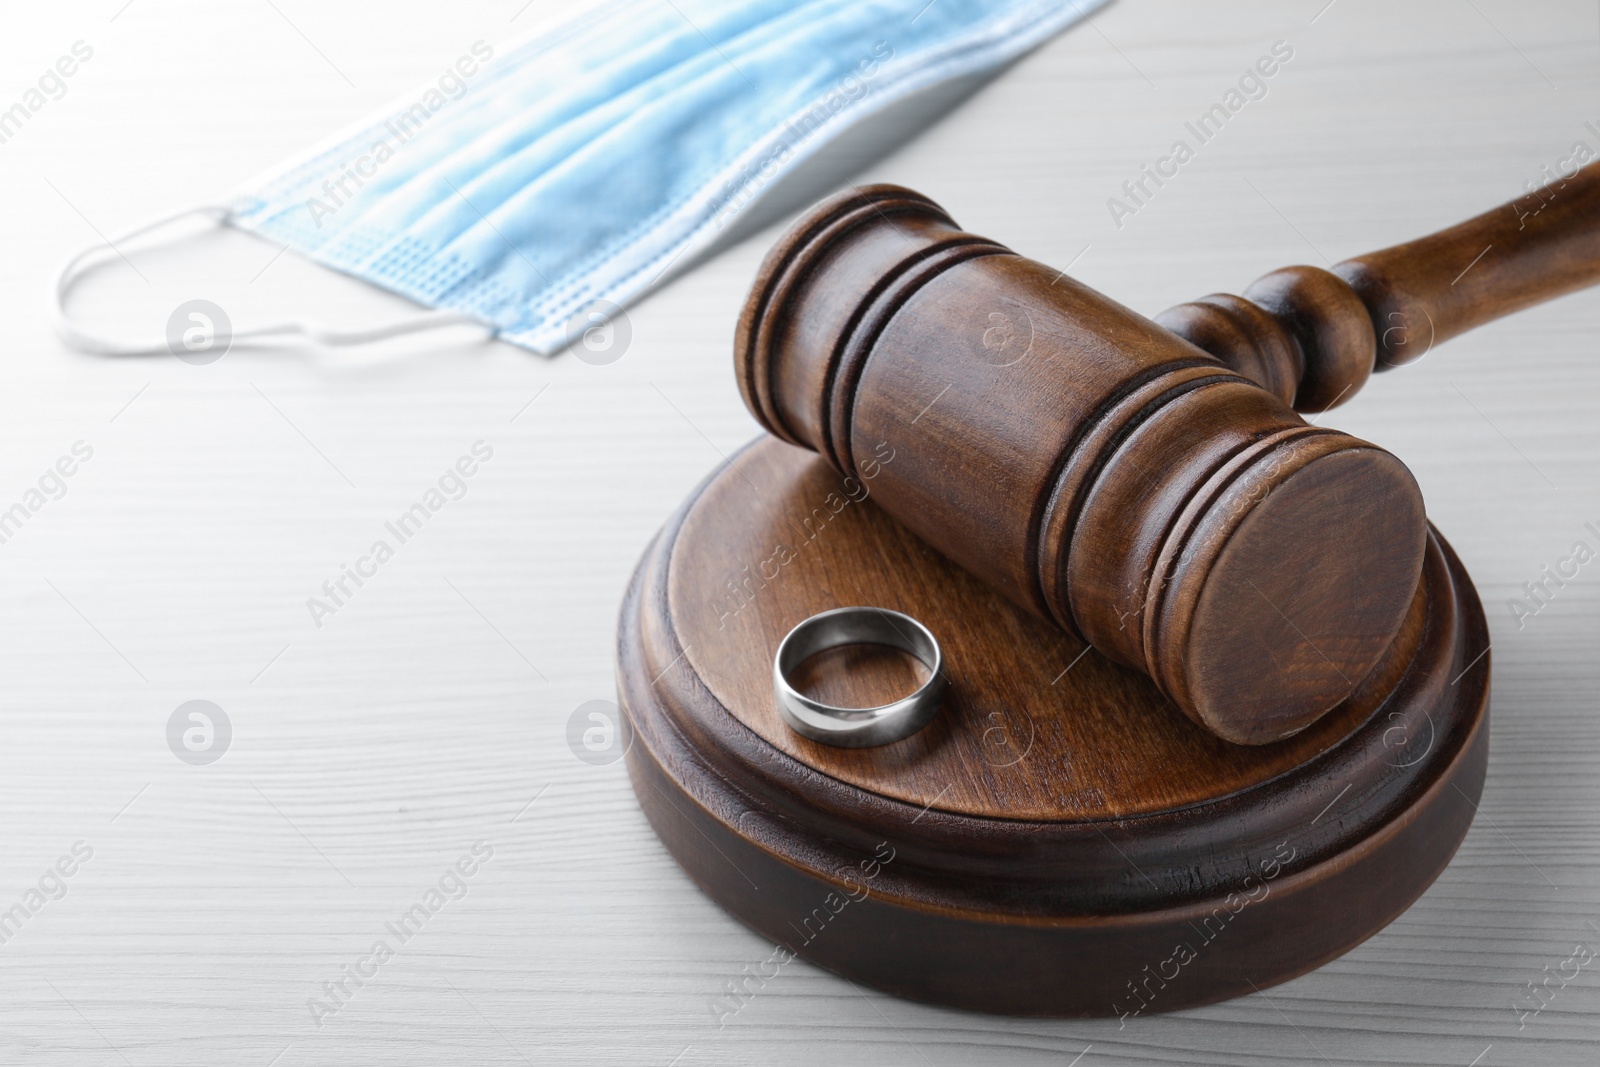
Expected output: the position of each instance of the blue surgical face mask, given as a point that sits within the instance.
(535, 187)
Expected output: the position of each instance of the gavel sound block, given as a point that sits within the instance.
(1032, 470)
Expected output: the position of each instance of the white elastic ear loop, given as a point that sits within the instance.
(88, 341)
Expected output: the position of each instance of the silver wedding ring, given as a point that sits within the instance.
(858, 727)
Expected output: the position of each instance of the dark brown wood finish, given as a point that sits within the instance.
(1060, 841)
(1092, 466)
(1312, 337)
(1002, 449)
(731, 610)
(1098, 469)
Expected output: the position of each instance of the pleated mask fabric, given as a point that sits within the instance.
(537, 186)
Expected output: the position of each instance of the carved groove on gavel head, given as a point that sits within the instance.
(1093, 466)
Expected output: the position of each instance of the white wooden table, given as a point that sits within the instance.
(430, 712)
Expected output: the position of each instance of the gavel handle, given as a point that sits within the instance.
(1313, 336)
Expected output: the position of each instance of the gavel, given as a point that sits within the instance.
(1145, 485)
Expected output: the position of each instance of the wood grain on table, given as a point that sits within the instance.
(431, 711)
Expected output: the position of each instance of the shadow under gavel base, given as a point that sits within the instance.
(1061, 840)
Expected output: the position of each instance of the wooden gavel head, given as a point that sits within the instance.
(1094, 466)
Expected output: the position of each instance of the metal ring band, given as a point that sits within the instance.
(858, 727)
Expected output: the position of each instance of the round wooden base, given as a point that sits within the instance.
(1061, 840)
